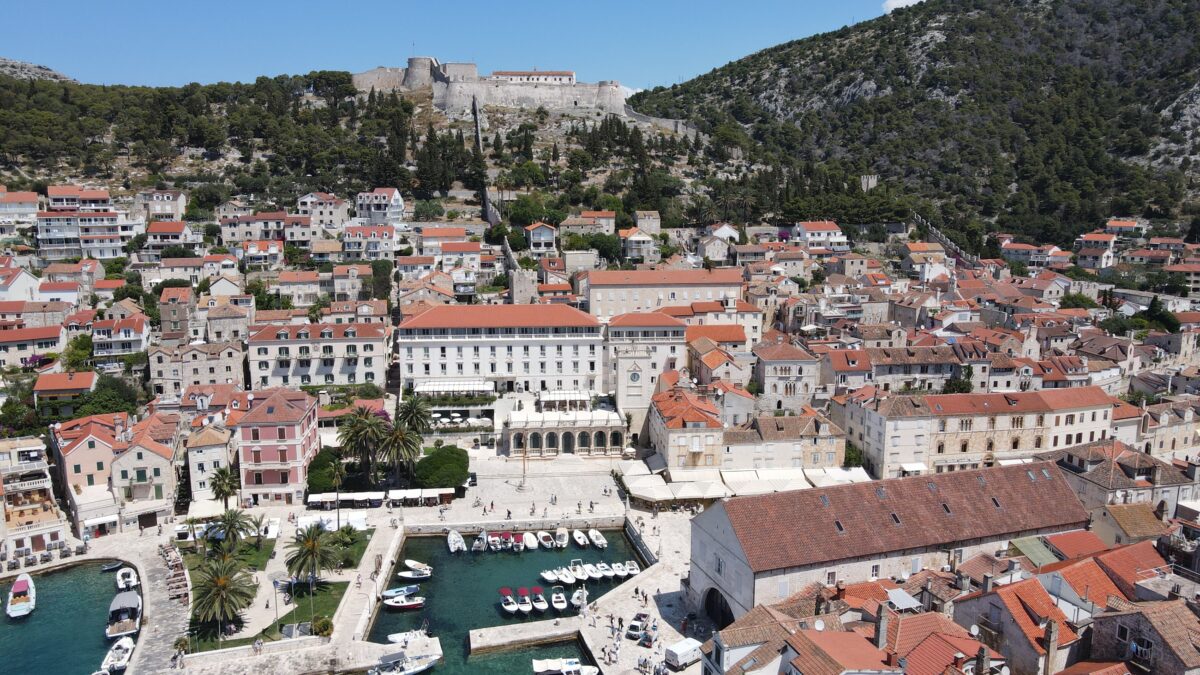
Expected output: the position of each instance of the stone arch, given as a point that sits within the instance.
(568, 442)
(535, 441)
(615, 440)
(585, 440)
(551, 440)
(717, 608)
(518, 441)
(599, 437)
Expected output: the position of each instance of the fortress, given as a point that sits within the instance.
(455, 84)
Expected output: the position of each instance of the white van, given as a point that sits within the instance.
(683, 653)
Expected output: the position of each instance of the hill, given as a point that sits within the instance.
(30, 71)
(1039, 117)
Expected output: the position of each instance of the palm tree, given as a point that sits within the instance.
(225, 484)
(191, 523)
(221, 590)
(258, 522)
(310, 553)
(402, 447)
(361, 434)
(223, 551)
(234, 525)
(414, 413)
(338, 473)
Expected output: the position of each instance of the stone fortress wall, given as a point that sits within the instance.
(455, 84)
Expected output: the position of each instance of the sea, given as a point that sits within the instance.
(65, 634)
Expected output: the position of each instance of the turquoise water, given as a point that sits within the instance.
(463, 594)
(65, 634)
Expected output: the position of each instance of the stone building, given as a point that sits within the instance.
(175, 368)
(787, 375)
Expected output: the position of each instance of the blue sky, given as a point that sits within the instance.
(641, 43)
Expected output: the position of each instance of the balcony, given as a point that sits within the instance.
(27, 485)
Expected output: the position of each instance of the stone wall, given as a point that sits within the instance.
(379, 79)
(455, 97)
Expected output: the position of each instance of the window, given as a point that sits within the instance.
(874, 571)
(895, 518)
(962, 447)
(831, 579)
(1122, 633)
(77, 469)
(838, 524)
(995, 502)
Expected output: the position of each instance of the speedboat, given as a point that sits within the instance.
(406, 636)
(481, 542)
(592, 571)
(455, 541)
(112, 566)
(124, 615)
(415, 574)
(403, 664)
(577, 570)
(560, 537)
(118, 656)
(506, 541)
(127, 579)
(493, 541)
(22, 597)
(539, 600)
(598, 539)
(404, 602)
(619, 570)
(564, 575)
(401, 590)
(579, 598)
(418, 566)
(580, 538)
(523, 602)
(507, 602)
(562, 667)
(530, 540)
(604, 569)
(631, 567)
(549, 576)
(545, 538)
(518, 544)
(558, 599)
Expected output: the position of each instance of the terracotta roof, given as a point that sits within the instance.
(209, 435)
(500, 316)
(179, 294)
(939, 652)
(935, 510)
(782, 351)
(166, 227)
(819, 652)
(718, 276)
(279, 406)
(721, 333)
(53, 382)
(1096, 668)
(298, 277)
(181, 262)
(461, 247)
(443, 232)
(645, 319)
(1137, 521)
(1128, 565)
(30, 334)
(1074, 545)
(818, 226)
(1030, 606)
(59, 286)
(849, 360)
(680, 409)
(1087, 579)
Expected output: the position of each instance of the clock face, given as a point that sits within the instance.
(634, 377)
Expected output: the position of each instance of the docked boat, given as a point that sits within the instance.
(481, 542)
(455, 541)
(545, 539)
(418, 566)
(403, 664)
(406, 636)
(549, 576)
(580, 538)
(518, 544)
(592, 571)
(412, 589)
(579, 598)
(22, 597)
(564, 575)
(415, 574)
(523, 602)
(404, 602)
(117, 659)
(506, 541)
(530, 540)
(631, 567)
(539, 600)
(127, 579)
(598, 539)
(560, 537)
(493, 541)
(124, 615)
(604, 569)
(507, 602)
(558, 598)
(112, 566)
(577, 570)
(562, 667)
(619, 570)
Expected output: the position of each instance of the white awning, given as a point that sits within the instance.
(322, 498)
(913, 467)
(649, 488)
(565, 395)
(901, 600)
(633, 467)
(101, 520)
(404, 494)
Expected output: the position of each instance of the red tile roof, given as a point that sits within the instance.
(443, 232)
(819, 226)
(461, 247)
(721, 333)
(718, 277)
(500, 316)
(680, 408)
(1030, 607)
(315, 331)
(52, 382)
(166, 227)
(1076, 544)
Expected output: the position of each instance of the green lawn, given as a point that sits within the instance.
(325, 602)
(254, 558)
(360, 546)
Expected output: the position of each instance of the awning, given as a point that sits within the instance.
(205, 508)
(403, 494)
(698, 490)
(101, 520)
(913, 467)
(451, 387)
(633, 467)
(323, 498)
(901, 600)
(565, 395)
(648, 488)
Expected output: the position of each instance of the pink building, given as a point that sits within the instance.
(276, 439)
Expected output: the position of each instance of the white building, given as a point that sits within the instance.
(318, 354)
(208, 449)
(32, 521)
(324, 209)
(501, 347)
(821, 234)
(160, 205)
(17, 208)
(84, 234)
(381, 206)
(369, 242)
(277, 226)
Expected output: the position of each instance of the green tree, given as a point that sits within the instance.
(402, 447)
(413, 413)
(220, 591)
(444, 467)
(78, 354)
(309, 554)
(225, 484)
(428, 209)
(1077, 301)
(257, 524)
(361, 434)
(233, 525)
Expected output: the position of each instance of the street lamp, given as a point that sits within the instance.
(275, 578)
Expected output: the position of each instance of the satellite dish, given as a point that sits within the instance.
(1004, 670)
(819, 624)
(974, 630)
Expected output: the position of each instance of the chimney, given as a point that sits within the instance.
(1014, 565)
(881, 628)
(987, 582)
(1156, 474)
(983, 661)
(1192, 471)
(818, 602)
(963, 582)
(841, 590)
(1048, 667)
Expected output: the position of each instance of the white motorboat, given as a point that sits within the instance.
(545, 538)
(598, 539)
(580, 538)
(127, 579)
(631, 567)
(560, 537)
(558, 598)
(124, 615)
(518, 544)
(549, 576)
(415, 574)
(604, 569)
(530, 540)
(407, 636)
(403, 664)
(577, 570)
(455, 541)
(579, 598)
(404, 602)
(523, 602)
(481, 542)
(22, 597)
(564, 575)
(117, 659)
(507, 602)
(418, 566)
(592, 571)
(399, 591)
(539, 600)
(619, 570)
(506, 541)
(493, 541)
(562, 667)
